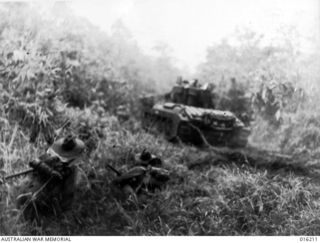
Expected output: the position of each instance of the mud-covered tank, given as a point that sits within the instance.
(196, 125)
(187, 113)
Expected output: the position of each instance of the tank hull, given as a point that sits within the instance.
(196, 126)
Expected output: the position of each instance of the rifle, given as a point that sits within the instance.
(35, 165)
(114, 169)
(25, 172)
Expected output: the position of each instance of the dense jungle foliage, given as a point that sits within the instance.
(58, 69)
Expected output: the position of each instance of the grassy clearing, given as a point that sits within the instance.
(213, 199)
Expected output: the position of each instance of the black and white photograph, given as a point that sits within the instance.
(159, 118)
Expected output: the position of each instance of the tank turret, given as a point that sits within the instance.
(192, 94)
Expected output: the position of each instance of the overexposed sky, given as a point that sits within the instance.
(190, 26)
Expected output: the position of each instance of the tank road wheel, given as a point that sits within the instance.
(184, 132)
(188, 134)
(239, 139)
(237, 143)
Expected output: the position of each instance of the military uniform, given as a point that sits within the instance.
(145, 176)
(51, 186)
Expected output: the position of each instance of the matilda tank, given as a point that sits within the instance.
(185, 115)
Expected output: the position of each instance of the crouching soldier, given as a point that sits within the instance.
(49, 189)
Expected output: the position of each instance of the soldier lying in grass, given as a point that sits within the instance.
(50, 188)
(146, 176)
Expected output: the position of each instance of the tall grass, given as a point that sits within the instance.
(222, 199)
(86, 76)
